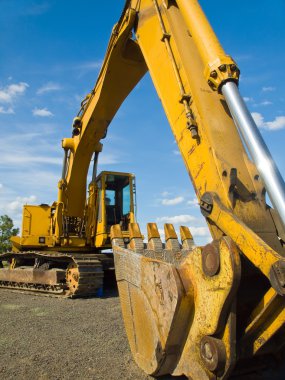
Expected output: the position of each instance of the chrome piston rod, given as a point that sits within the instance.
(258, 150)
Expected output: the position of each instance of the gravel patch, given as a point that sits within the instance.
(47, 338)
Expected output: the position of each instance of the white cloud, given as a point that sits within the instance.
(173, 201)
(108, 159)
(42, 184)
(177, 219)
(161, 232)
(176, 152)
(165, 193)
(263, 103)
(39, 148)
(195, 231)
(193, 202)
(17, 204)
(92, 65)
(277, 124)
(29, 158)
(42, 112)
(87, 67)
(33, 148)
(7, 111)
(199, 231)
(1, 186)
(50, 86)
(268, 89)
(247, 99)
(10, 92)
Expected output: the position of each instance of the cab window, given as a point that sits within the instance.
(117, 200)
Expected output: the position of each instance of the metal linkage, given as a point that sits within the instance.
(222, 74)
(64, 165)
(185, 98)
(95, 166)
(258, 150)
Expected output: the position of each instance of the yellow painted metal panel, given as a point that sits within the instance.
(36, 221)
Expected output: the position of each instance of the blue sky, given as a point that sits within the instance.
(51, 53)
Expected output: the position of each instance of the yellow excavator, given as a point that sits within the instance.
(63, 254)
(203, 312)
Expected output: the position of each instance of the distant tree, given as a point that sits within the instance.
(6, 231)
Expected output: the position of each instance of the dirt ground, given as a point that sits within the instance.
(47, 338)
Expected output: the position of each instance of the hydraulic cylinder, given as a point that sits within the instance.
(257, 148)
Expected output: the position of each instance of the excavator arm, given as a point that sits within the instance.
(170, 43)
(122, 68)
(197, 311)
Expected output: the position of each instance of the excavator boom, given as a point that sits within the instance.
(202, 311)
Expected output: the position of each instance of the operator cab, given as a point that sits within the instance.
(116, 196)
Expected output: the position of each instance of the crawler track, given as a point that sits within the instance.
(54, 273)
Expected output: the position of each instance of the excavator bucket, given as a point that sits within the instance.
(178, 301)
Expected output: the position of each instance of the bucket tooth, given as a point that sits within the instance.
(171, 239)
(136, 240)
(154, 241)
(117, 236)
(186, 238)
